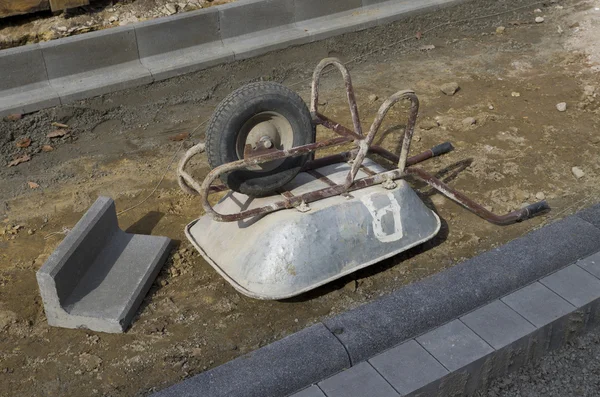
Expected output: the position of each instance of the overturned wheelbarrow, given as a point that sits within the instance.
(290, 223)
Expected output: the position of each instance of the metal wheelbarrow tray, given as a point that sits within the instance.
(342, 213)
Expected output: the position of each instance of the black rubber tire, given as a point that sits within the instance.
(228, 119)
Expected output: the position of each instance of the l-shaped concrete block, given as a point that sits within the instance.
(98, 275)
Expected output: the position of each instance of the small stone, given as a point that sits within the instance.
(589, 90)
(450, 88)
(170, 8)
(351, 286)
(540, 195)
(500, 30)
(164, 283)
(373, 98)
(112, 19)
(31, 232)
(537, 10)
(515, 94)
(61, 28)
(491, 107)
(539, 20)
(428, 124)
(469, 121)
(561, 107)
(577, 172)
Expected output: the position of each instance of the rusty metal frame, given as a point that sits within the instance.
(364, 145)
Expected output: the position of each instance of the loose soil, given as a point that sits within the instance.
(520, 149)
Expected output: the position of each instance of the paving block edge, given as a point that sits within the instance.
(23, 92)
(493, 365)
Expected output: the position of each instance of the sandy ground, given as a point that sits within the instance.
(99, 14)
(520, 149)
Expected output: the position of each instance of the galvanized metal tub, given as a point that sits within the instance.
(289, 252)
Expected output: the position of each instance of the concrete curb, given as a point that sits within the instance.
(98, 275)
(501, 309)
(61, 71)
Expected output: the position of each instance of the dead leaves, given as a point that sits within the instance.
(47, 148)
(57, 134)
(33, 185)
(23, 159)
(23, 143)
(179, 137)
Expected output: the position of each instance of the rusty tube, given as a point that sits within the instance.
(314, 98)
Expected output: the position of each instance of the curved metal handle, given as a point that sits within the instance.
(185, 180)
(314, 98)
(365, 144)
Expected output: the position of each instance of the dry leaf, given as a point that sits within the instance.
(23, 143)
(19, 160)
(59, 125)
(179, 137)
(33, 185)
(47, 148)
(57, 133)
(419, 35)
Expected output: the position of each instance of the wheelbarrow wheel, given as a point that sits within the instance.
(263, 113)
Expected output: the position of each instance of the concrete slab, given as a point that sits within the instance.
(255, 44)
(251, 16)
(344, 22)
(358, 381)
(410, 369)
(98, 275)
(88, 65)
(547, 311)
(309, 9)
(312, 391)
(574, 285)
(591, 215)
(181, 43)
(278, 369)
(416, 308)
(24, 84)
(591, 264)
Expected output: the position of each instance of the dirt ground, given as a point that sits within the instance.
(99, 14)
(520, 149)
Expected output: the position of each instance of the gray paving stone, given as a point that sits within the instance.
(94, 64)
(333, 25)
(591, 264)
(276, 370)
(308, 9)
(454, 345)
(498, 324)
(410, 369)
(538, 305)
(250, 16)
(182, 43)
(575, 285)
(416, 308)
(358, 381)
(397, 10)
(591, 215)
(277, 38)
(24, 84)
(98, 275)
(312, 391)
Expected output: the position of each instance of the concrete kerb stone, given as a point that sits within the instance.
(276, 370)
(98, 275)
(88, 65)
(181, 44)
(416, 308)
(24, 84)
(100, 62)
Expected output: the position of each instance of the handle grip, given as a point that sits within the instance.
(442, 148)
(535, 209)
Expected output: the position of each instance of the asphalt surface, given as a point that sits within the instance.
(573, 370)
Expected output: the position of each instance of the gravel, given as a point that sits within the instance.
(573, 370)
